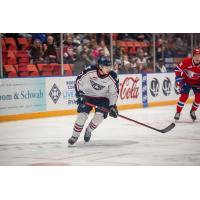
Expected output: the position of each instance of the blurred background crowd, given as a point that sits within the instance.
(55, 54)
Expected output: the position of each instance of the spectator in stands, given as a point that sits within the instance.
(82, 62)
(134, 65)
(101, 52)
(103, 37)
(117, 51)
(159, 48)
(160, 67)
(82, 47)
(50, 54)
(117, 66)
(69, 50)
(36, 52)
(103, 46)
(141, 60)
(126, 67)
(95, 51)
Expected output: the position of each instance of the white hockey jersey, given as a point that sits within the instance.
(93, 85)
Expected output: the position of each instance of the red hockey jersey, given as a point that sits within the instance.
(189, 71)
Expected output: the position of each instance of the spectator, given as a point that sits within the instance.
(126, 67)
(141, 61)
(117, 66)
(95, 51)
(117, 51)
(36, 53)
(69, 49)
(160, 67)
(103, 46)
(50, 54)
(82, 62)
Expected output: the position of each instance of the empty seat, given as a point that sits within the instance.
(32, 69)
(123, 44)
(56, 69)
(56, 73)
(22, 67)
(9, 68)
(45, 67)
(24, 74)
(130, 43)
(10, 44)
(46, 73)
(5, 57)
(3, 44)
(23, 56)
(23, 43)
(11, 57)
(10, 71)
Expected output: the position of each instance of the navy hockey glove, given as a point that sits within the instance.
(179, 83)
(113, 111)
(80, 97)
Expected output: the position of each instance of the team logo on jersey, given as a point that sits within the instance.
(55, 93)
(96, 86)
(154, 87)
(166, 87)
(93, 78)
(192, 75)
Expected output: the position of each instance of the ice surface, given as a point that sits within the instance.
(114, 142)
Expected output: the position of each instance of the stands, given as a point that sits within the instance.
(137, 48)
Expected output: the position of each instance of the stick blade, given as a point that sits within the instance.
(167, 129)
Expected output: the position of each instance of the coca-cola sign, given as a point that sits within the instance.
(129, 88)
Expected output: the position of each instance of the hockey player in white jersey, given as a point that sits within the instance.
(97, 85)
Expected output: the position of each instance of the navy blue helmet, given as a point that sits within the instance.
(104, 61)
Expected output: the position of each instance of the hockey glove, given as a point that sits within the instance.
(179, 81)
(80, 97)
(113, 111)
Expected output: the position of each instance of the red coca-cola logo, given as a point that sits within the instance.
(129, 88)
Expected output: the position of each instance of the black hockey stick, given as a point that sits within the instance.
(165, 130)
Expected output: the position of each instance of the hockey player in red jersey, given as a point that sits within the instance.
(187, 78)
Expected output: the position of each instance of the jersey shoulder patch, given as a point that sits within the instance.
(113, 75)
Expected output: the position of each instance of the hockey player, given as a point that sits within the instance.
(187, 78)
(97, 85)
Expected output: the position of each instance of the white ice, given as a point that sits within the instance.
(114, 142)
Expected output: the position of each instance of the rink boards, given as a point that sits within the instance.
(25, 98)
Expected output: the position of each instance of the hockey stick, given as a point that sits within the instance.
(165, 130)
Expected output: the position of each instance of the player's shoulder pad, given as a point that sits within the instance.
(89, 68)
(86, 70)
(187, 61)
(113, 75)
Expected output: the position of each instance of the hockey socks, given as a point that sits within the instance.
(79, 124)
(183, 98)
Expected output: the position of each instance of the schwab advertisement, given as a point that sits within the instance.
(25, 95)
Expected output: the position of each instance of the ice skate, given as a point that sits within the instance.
(177, 116)
(72, 140)
(87, 136)
(192, 115)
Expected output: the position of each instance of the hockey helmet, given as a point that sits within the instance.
(196, 51)
(104, 61)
